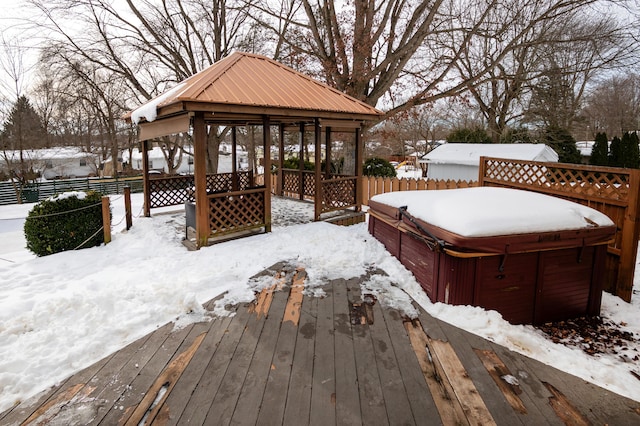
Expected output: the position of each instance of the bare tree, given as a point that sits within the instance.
(149, 45)
(613, 106)
(408, 53)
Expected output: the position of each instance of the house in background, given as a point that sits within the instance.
(158, 162)
(461, 161)
(53, 163)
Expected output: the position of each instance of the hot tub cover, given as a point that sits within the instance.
(496, 220)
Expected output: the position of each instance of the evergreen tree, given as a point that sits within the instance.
(615, 153)
(634, 151)
(630, 155)
(469, 135)
(563, 144)
(23, 129)
(600, 151)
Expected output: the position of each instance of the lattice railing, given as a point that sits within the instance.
(175, 190)
(170, 191)
(309, 187)
(224, 182)
(237, 211)
(605, 184)
(338, 193)
(291, 183)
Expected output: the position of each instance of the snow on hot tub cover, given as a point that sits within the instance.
(489, 211)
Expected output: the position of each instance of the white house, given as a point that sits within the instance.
(158, 162)
(461, 161)
(54, 163)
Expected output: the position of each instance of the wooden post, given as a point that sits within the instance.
(318, 172)
(145, 178)
(481, 170)
(359, 161)
(327, 152)
(629, 243)
(280, 183)
(106, 219)
(301, 162)
(200, 179)
(127, 206)
(234, 159)
(266, 143)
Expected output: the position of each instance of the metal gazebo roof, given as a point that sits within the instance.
(245, 87)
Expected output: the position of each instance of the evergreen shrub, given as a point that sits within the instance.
(378, 167)
(65, 222)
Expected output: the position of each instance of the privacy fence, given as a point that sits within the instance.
(613, 191)
(42, 190)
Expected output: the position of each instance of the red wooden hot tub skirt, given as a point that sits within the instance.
(528, 278)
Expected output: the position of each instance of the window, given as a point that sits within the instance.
(83, 162)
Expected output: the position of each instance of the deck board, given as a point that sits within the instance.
(297, 409)
(347, 395)
(323, 409)
(253, 388)
(296, 360)
(372, 405)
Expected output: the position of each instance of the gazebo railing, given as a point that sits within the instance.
(339, 193)
(291, 181)
(170, 190)
(237, 211)
(175, 190)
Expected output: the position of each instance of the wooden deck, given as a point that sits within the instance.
(296, 360)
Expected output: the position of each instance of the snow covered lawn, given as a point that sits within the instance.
(61, 313)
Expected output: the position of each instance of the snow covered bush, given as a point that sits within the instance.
(66, 221)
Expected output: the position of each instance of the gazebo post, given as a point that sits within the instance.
(301, 161)
(318, 169)
(280, 182)
(359, 161)
(327, 153)
(266, 143)
(234, 159)
(145, 177)
(200, 179)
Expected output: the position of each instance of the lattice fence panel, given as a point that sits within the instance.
(606, 185)
(291, 181)
(170, 191)
(221, 182)
(236, 213)
(309, 184)
(338, 194)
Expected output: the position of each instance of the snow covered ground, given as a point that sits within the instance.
(61, 313)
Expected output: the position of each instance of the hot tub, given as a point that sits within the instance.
(532, 257)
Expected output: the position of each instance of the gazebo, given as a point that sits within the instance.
(251, 90)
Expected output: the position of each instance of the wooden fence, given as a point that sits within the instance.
(613, 191)
(378, 185)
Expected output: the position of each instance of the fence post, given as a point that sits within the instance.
(127, 206)
(106, 219)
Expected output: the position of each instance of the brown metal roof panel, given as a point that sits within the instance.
(247, 79)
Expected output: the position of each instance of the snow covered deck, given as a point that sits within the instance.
(296, 359)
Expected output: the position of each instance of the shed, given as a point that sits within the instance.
(461, 161)
(246, 90)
